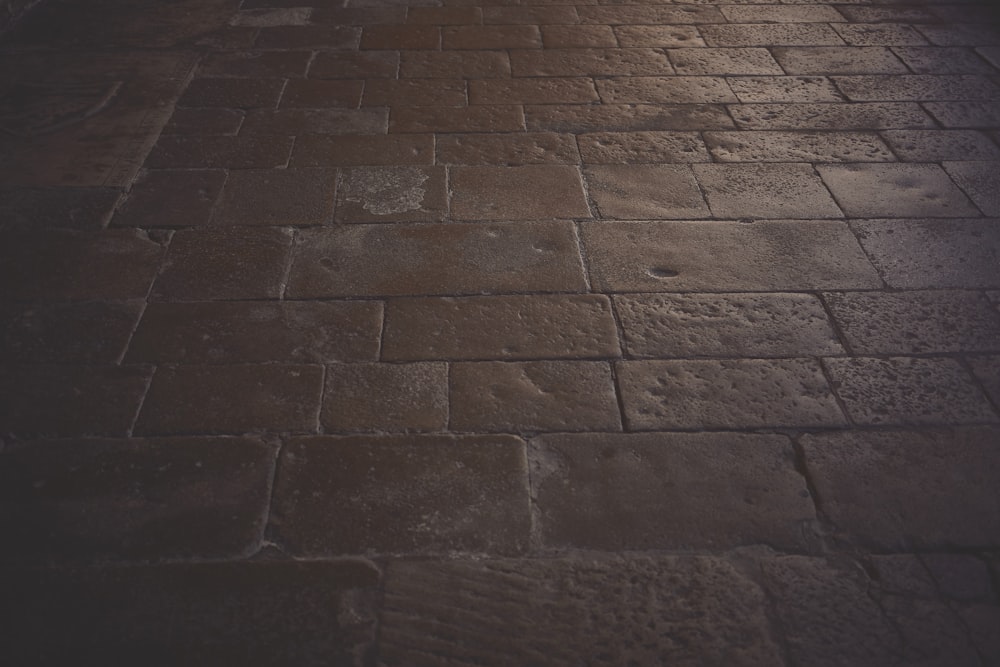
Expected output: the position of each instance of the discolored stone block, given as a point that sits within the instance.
(641, 147)
(321, 150)
(589, 62)
(895, 190)
(765, 191)
(506, 149)
(938, 145)
(85, 333)
(530, 192)
(631, 192)
(392, 194)
(386, 397)
(291, 197)
(751, 146)
(171, 198)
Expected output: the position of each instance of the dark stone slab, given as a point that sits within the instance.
(290, 197)
(171, 198)
(376, 397)
(83, 333)
(29, 209)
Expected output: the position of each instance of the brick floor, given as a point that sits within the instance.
(392, 333)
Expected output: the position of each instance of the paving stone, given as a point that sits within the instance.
(879, 34)
(752, 13)
(756, 393)
(887, 14)
(257, 331)
(449, 64)
(392, 194)
(725, 325)
(360, 15)
(896, 190)
(402, 494)
(267, 18)
(605, 611)
(750, 146)
(765, 191)
(258, 614)
(224, 263)
(401, 37)
(67, 265)
(386, 397)
(943, 60)
(915, 322)
(960, 577)
(685, 90)
(854, 116)
(979, 180)
(277, 197)
(669, 36)
(784, 89)
(908, 390)
(476, 37)
(560, 15)
(990, 53)
(538, 326)
(938, 145)
(204, 399)
(431, 259)
(589, 62)
(171, 198)
(480, 118)
(641, 147)
(828, 60)
(444, 15)
(626, 117)
(626, 14)
(85, 333)
(723, 61)
(920, 489)
(94, 500)
(496, 396)
(179, 151)
(770, 34)
(767, 256)
(255, 64)
(962, 34)
(415, 92)
(321, 94)
(530, 192)
(580, 37)
(69, 401)
(318, 150)
(917, 87)
(506, 149)
(33, 209)
(321, 37)
(232, 93)
(317, 122)
(987, 370)
(965, 114)
(354, 65)
(901, 574)
(631, 192)
(533, 91)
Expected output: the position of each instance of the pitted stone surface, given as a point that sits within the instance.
(640, 192)
(626, 117)
(838, 60)
(641, 147)
(938, 145)
(750, 146)
(533, 192)
(857, 116)
(784, 89)
(392, 194)
(765, 191)
(723, 61)
(979, 180)
(507, 149)
(385, 397)
(895, 190)
(665, 89)
(987, 371)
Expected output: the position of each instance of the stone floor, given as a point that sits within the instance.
(500, 332)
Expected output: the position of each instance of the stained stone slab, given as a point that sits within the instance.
(95, 500)
(895, 190)
(730, 394)
(856, 116)
(723, 61)
(980, 180)
(631, 192)
(538, 326)
(401, 494)
(750, 146)
(385, 397)
(675, 610)
(725, 325)
(908, 390)
(927, 489)
(933, 254)
(92, 332)
(827, 60)
(171, 198)
(765, 191)
(258, 614)
(616, 492)
(392, 194)
(641, 147)
(33, 209)
(771, 256)
(433, 259)
(915, 322)
(532, 192)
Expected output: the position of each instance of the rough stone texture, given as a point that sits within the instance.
(616, 492)
(411, 494)
(56, 208)
(838, 60)
(626, 117)
(480, 118)
(589, 62)
(784, 89)
(320, 150)
(979, 180)
(764, 34)
(465, 64)
(182, 151)
(679, 610)
(91, 500)
(725, 325)
(282, 122)
(416, 92)
(657, 36)
(922, 87)
(938, 145)
(630, 192)
(749, 146)
(163, 198)
(666, 89)
(496, 396)
(731, 394)
(641, 147)
(536, 90)
(904, 490)
(500, 327)
(85, 333)
(987, 371)
(765, 191)
(895, 190)
(533, 192)
(392, 194)
(942, 60)
(290, 197)
(856, 116)
(386, 397)
(964, 113)
(723, 61)
(506, 149)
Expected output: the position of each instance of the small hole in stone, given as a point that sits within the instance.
(659, 272)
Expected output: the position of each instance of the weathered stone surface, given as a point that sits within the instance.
(392, 194)
(784, 89)
(987, 371)
(631, 192)
(355, 64)
(417, 92)
(92, 500)
(500, 327)
(838, 60)
(942, 60)
(770, 34)
(386, 397)
(619, 492)
(895, 190)
(401, 494)
(185, 151)
(922, 489)
(725, 325)
(532, 192)
(446, 64)
(431, 259)
(979, 180)
(908, 390)
(171, 198)
(479, 118)
(409, 37)
(491, 37)
(665, 89)
(856, 116)
(755, 393)
(675, 610)
(917, 87)
(320, 37)
(534, 90)
(938, 145)
(321, 94)
(232, 93)
(915, 322)
(723, 61)
(82, 333)
(289, 197)
(286, 122)
(506, 149)
(561, 15)
(589, 62)
(255, 64)
(960, 577)
(965, 113)
(641, 147)
(33, 209)
(765, 191)
(626, 117)
(664, 36)
(750, 146)
(257, 331)
(580, 37)
(769, 256)
(258, 614)
(320, 150)
(878, 34)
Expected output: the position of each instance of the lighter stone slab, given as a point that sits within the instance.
(630, 192)
(765, 191)
(895, 190)
(750, 146)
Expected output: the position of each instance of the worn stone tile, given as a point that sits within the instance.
(580, 37)
(171, 198)
(91, 332)
(750, 146)
(501, 396)
(674, 90)
(908, 390)
(770, 34)
(963, 34)
(938, 145)
(574, 611)
(432, 259)
(354, 15)
(784, 89)
(354, 65)
(224, 263)
(708, 61)
(255, 64)
(918, 87)
(321, 94)
(827, 60)
(764, 13)
(231, 399)
(879, 34)
(480, 118)
(915, 490)
(854, 116)
(641, 147)
(725, 325)
(91, 500)
(34, 209)
(277, 197)
(475, 37)
(316, 122)
(915, 322)
(960, 577)
(654, 14)
(257, 331)
(70, 401)
(943, 60)
(626, 117)
(639, 192)
(559, 15)
(663, 36)
(990, 53)
(965, 114)
(253, 613)
(320, 37)
(415, 92)
(506, 149)
(618, 492)
(590, 62)
(386, 397)
(180, 151)
(320, 150)
(246, 93)
(770, 256)
(980, 181)
(450, 64)
(756, 393)
(68, 265)
(887, 14)
(401, 37)
(267, 18)
(986, 369)
(402, 494)
(532, 192)
(444, 15)
(895, 190)
(540, 90)
(765, 191)
(392, 194)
